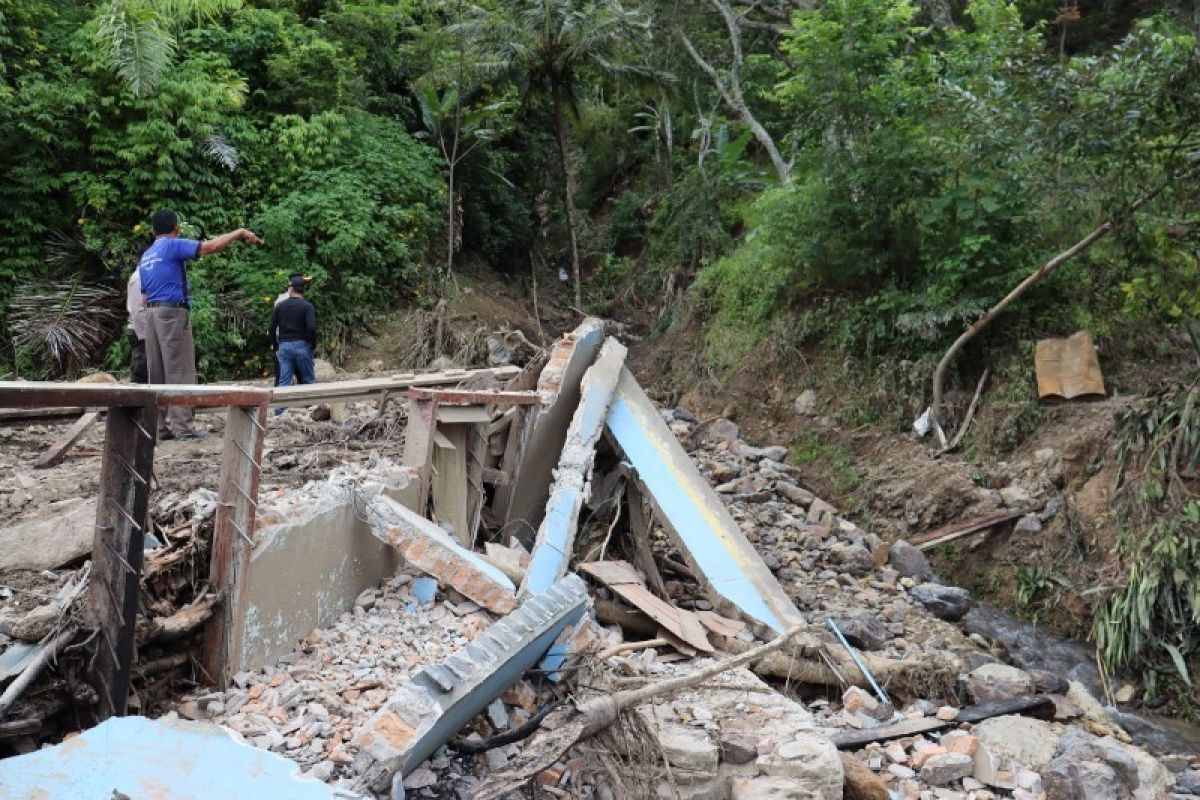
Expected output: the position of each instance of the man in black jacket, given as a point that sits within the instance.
(293, 335)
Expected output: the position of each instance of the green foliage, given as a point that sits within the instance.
(935, 170)
(1152, 621)
(340, 193)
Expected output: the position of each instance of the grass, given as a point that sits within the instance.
(832, 458)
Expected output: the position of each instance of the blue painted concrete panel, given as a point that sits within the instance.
(549, 558)
(713, 540)
(143, 758)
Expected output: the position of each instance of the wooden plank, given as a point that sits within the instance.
(36, 394)
(449, 483)
(233, 536)
(640, 525)
(621, 578)
(418, 447)
(67, 440)
(477, 449)
(117, 549)
(957, 530)
(722, 626)
(467, 397)
(364, 388)
(1039, 705)
(441, 442)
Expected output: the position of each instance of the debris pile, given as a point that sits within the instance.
(560, 586)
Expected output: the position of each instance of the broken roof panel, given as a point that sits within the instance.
(167, 759)
(731, 569)
(559, 387)
(556, 532)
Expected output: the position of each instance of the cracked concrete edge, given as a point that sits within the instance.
(424, 713)
(559, 386)
(556, 533)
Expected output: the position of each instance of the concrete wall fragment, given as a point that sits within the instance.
(733, 574)
(313, 556)
(424, 713)
(429, 548)
(556, 532)
(559, 386)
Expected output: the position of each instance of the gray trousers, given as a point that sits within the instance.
(171, 358)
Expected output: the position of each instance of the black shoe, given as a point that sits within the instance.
(165, 435)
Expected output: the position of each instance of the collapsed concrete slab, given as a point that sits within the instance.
(757, 741)
(731, 570)
(63, 535)
(312, 557)
(167, 758)
(546, 428)
(429, 548)
(424, 713)
(556, 532)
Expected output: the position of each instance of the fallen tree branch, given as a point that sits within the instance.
(966, 423)
(597, 713)
(930, 676)
(1107, 227)
(625, 647)
(180, 624)
(49, 649)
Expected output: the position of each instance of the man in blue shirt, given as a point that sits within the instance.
(170, 351)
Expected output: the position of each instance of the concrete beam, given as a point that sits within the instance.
(734, 575)
(556, 533)
(442, 698)
(545, 430)
(429, 548)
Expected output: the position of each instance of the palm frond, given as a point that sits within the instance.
(64, 325)
(140, 50)
(218, 148)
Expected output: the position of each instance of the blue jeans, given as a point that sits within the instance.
(295, 360)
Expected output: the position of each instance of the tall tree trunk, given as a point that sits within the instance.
(568, 175)
(450, 224)
(731, 92)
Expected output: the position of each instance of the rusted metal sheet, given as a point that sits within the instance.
(1068, 368)
(117, 549)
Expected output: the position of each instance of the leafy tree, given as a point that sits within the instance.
(548, 47)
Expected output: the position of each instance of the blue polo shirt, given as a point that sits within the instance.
(164, 276)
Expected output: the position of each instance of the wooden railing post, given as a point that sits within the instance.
(233, 538)
(117, 548)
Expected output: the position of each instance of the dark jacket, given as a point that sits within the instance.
(293, 320)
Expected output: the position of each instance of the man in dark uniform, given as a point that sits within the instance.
(293, 334)
(170, 351)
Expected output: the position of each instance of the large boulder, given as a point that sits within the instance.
(812, 761)
(993, 682)
(910, 562)
(63, 535)
(1024, 741)
(945, 602)
(1138, 775)
(864, 631)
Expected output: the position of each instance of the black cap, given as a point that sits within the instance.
(296, 281)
